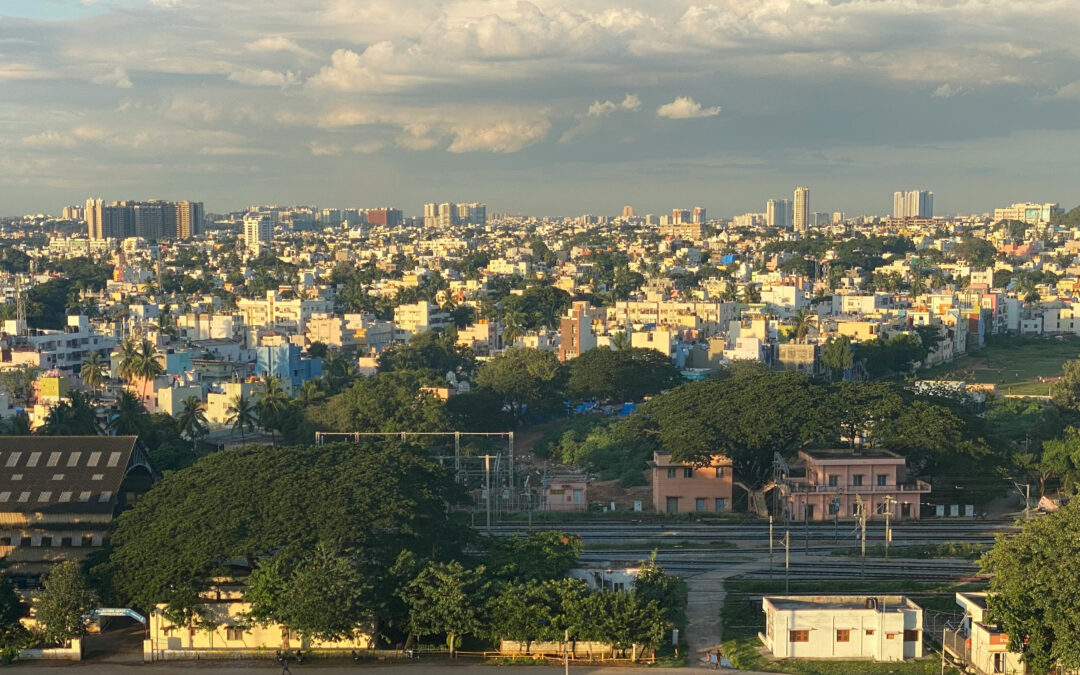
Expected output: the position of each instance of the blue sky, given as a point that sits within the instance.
(542, 106)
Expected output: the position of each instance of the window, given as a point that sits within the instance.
(799, 636)
(699, 505)
(671, 473)
(856, 480)
(911, 636)
(843, 635)
(688, 472)
(869, 631)
(721, 505)
(234, 633)
(672, 504)
(834, 481)
(882, 479)
(719, 472)
(999, 662)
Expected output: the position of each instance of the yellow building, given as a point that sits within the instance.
(227, 633)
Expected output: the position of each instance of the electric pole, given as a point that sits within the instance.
(860, 507)
(787, 561)
(889, 501)
(770, 546)
(487, 489)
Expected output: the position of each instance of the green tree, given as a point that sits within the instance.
(538, 556)
(431, 352)
(1065, 392)
(63, 602)
(242, 415)
(836, 356)
(271, 405)
(19, 383)
(93, 372)
(624, 620)
(1030, 572)
(530, 380)
(446, 598)
(801, 323)
(623, 375)
(192, 420)
(668, 591)
(131, 417)
(384, 402)
(73, 417)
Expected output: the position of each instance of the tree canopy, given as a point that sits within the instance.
(623, 374)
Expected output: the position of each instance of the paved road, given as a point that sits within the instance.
(461, 668)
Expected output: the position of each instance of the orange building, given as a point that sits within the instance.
(679, 487)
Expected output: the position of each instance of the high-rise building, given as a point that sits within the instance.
(628, 211)
(801, 209)
(92, 214)
(384, 216)
(258, 230)
(699, 215)
(189, 219)
(679, 216)
(913, 204)
(1029, 212)
(778, 213)
(431, 215)
(575, 331)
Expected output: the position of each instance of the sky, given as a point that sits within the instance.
(546, 107)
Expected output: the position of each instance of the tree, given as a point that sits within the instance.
(376, 499)
(446, 598)
(192, 420)
(524, 612)
(620, 340)
(430, 352)
(317, 350)
(1065, 392)
(19, 383)
(93, 372)
(1030, 572)
(12, 608)
(242, 415)
(478, 410)
(528, 380)
(131, 418)
(668, 591)
(836, 356)
(624, 620)
(271, 404)
(384, 402)
(73, 417)
(623, 375)
(64, 600)
(801, 322)
(538, 556)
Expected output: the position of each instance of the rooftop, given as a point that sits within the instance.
(848, 453)
(840, 602)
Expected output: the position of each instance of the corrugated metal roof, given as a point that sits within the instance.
(62, 473)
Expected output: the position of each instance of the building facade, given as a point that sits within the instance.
(878, 628)
(679, 487)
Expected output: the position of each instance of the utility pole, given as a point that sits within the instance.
(487, 489)
(787, 561)
(566, 652)
(889, 501)
(1026, 494)
(770, 546)
(860, 507)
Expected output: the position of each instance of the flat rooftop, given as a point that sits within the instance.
(840, 602)
(848, 453)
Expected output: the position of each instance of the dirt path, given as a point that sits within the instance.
(705, 600)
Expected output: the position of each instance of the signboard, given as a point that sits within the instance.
(117, 612)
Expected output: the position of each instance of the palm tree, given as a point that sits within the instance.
(92, 372)
(801, 321)
(751, 294)
(129, 354)
(192, 420)
(620, 340)
(272, 402)
(242, 415)
(73, 417)
(131, 417)
(310, 393)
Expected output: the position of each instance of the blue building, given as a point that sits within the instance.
(284, 361)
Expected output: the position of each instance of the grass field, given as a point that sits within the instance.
(743, 620)
(1013, 363)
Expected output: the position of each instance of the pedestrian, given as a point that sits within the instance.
(285, 666)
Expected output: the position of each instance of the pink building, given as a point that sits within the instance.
(565, 493)
(835, 479)
(678, 487)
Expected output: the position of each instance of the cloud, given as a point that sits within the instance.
(49, 139)
(264, 78)
(500, 137)
(368, 147)
(324, 149)
(631, 102)
(277, 43)
(598, 109)
(685, 108)
(117, 78)
(376, 69)
(23, 71)
(1069, 92)
(946, 91)
(416, 137)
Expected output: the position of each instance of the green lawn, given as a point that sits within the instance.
(965, 550)
(1013, 363)
(743, 620)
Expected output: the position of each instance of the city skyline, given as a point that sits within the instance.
(545, 108)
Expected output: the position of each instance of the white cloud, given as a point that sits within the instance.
(598, 109)
(631, 102)
(685, 108)
(501, 137)
(277, 43)
(377, 69)
(368, 147)
(49, 139)
(117, 78)
(946, 91)
(1070, 92)
(416, 136)
(324, 149)
(264, 78)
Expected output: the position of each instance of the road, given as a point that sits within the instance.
(222, 668)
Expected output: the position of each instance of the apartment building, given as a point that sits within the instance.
(874, 627)
(54, 349)
(680, 487)
(419, 317)
(979, 644)
(835, 480)
(277, 313)
(575, 332)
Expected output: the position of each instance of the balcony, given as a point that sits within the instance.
(915, 486)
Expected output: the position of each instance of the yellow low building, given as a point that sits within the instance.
(226, 633)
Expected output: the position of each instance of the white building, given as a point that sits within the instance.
(978, 644)
(419, 317)
(48, 349)
(880, 628)
(258, 230)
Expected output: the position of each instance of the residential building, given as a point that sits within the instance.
(258, 231)
(227, 632)
(978, 643)
(1026, 212)
(778, 213)
(283, 360)
(873, 627)
(218, 402)
(419, 317)
(835, 480)
(276, 313)
(48, 349)
(59, 495)
(801, 209)
(680, 487)
(575, 331)
(564, 493)
(913, 204)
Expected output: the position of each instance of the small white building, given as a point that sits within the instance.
(871, 627)
(978, 644)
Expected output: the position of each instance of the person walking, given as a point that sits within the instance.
(285, 666)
